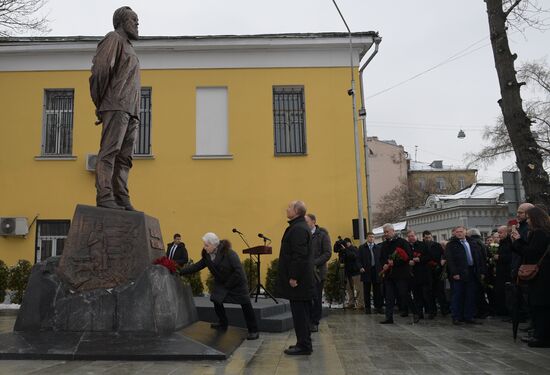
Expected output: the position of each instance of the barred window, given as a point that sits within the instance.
(50, 238)
(57, 135)
(289, 120)
(143, 139)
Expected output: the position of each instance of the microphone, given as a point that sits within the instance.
(236, 231)
(264, 237)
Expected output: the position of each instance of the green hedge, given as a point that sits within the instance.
(271, 277)
(194, 280)
(334, 291)
(4, 277)
(18, 277)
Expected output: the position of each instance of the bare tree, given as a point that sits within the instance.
(392, 206)
(501, 14)
(20, 15)
(536, 75)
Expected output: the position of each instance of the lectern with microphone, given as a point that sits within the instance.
(257, 251)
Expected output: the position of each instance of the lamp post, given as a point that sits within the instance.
(351, 92)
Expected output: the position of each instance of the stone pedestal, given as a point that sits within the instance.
(105, 289)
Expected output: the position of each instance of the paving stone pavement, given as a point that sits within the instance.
(348, 342)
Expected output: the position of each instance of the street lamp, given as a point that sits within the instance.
(461, 134)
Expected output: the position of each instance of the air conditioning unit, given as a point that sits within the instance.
(91, 161)
(14, 226)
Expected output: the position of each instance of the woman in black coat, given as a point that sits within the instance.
(532, 250)
(230, 284)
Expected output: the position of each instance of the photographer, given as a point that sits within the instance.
(349, 255)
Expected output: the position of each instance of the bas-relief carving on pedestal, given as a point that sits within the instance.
(106, 248)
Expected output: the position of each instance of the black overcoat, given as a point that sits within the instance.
(181, 256)
(296, 262)
(320, 243)
(401, 269)
(422, 274)
(531, 252)
(230, 283)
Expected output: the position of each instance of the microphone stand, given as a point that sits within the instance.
(250, 263)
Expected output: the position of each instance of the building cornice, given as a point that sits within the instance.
(192, 52)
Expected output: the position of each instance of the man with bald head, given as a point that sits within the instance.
(295, 275)
(116, 89)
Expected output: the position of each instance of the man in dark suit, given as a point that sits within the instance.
(369, 258)
(467, 268)
(438, 284)
(422, 278)
(176, 251)
(295, 275)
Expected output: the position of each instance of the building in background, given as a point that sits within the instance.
(436, 178)
(233, 128)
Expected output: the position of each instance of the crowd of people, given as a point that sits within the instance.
(468, 277)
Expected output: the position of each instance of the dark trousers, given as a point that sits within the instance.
(371, 284)
(394, 288)
(114, 159)
(463, 297)
(439, 294)
(248, 313)
(300, 317)
(317, 303)
(423, 298)
(541, 322)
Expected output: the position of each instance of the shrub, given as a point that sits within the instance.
(18, 277)
(334, 284)
(4, 276)
(271, 277)
(210, 282)
(250, 272)
(194, 280)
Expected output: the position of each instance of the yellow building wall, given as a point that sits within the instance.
(249, 192)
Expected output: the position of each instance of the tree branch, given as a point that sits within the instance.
(515, 4)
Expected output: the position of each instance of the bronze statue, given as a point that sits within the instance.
(115, 89)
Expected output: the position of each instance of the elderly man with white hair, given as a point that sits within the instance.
(230, 284)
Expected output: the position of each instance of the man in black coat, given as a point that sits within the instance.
(503, 269)
(176, 251)
(369, 258)
(438, 284)
(394, 257)
(467, 268)
(295, 275)
(352, 268)
(320, 245)
(422, 278)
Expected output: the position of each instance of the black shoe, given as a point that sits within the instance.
(368, 312)
(416, 318)
(296, 350)
(538, 344)
(421, 316)
(220, 326)
(526, 329)
(430, 316)
(387, 321)
(527, 339)
(457, 322)
(314, 328)
(253, 335)
(110, 204)
(404, 314)
(379, 310)
(472, 321)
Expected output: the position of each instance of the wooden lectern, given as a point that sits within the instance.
(257, 251)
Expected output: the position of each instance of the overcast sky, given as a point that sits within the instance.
(427, 111)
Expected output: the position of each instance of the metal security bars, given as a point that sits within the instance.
(143, 139)
(57, 137)
(289, 120)
(50, 238)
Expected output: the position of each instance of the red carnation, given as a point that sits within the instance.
(401, 253)
(168, 263)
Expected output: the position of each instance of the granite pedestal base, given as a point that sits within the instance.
(195, 342)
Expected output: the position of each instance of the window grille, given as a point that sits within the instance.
(289, 120)
(58, 122)
(50, 238)
(143, 139)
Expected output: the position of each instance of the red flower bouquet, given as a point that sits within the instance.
(399, 255)
(168, 263)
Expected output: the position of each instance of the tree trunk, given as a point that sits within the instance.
(528, 158)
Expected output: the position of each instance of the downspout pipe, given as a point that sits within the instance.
(363, 116)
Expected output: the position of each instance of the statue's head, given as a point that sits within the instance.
(126, 19)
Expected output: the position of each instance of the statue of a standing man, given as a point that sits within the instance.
(115, 88)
